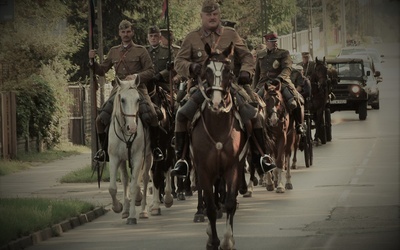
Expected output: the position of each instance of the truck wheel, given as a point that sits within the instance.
(362, 111)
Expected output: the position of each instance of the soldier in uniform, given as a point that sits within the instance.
(127, 59)
(188, 63)
(178, 80)
(274, 66)
(308, 66)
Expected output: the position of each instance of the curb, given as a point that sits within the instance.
(55, 230)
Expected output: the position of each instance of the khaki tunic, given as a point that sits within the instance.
(308, 71)
(270, 65)
(134, 60)
(192, 49)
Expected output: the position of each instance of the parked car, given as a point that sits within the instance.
(372, 79)
(350, 50)
(376, 59)
(350, 92)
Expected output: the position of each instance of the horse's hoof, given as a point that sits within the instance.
(117, 209)
(155, 211)
(294, 167)
(131, 221)
(255, 181)
(168, 202)
(270, 187)
(289, 186)
(248, 194)
(144, 215)
(125, 215)
(198, 218)
(174, 195)
(181, 197)
(280, 190)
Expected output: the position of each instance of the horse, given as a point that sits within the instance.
(218, 144)
(280, 137)
(129, 141)
(161, 170)
(320, 91)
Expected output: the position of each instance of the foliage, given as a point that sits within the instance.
(37, 214)
(85, 175)
(37, 47)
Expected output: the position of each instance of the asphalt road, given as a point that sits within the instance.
(348, 199)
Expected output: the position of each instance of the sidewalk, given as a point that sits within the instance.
(43, 181)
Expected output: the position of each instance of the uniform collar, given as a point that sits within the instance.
(128, 47)
(271, 51)
(218, 31)
(152, 48)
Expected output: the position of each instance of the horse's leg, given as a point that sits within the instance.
(228, 241)
(124, 179)
(219, 197)
(180, 190)
(168, 198)
(280, 163)
(199, 215)
(296, 144)
(155, 206)
(250, 184)
(213, 241)
(288, 184)
(134, 189)
(269, 184)
(112, 189)
(145, 174)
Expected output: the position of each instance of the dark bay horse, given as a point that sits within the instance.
(162, 183)
(218, 144)
(281, 137)
(320, 91)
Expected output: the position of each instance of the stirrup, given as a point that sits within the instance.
(174, 170)
(100, 155)
(158, 154)
(266, 167)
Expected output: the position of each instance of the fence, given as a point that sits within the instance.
(8, 125)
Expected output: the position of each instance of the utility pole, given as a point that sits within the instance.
(294, 34)
(324, 27)
(100, 51)
(344, 32)
(310, 28)
(264, 18)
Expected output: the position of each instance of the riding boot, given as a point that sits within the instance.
(102, 154)
(291, 103)
(298, 117)
(154, 137)
(266, 162)
(181, 168)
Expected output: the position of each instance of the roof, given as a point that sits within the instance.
(343, 60)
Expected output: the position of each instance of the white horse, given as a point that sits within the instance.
(129, 141)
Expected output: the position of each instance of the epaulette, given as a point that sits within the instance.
(175, 46)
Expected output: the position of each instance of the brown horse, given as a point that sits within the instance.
(218, 144)
(320, 91)
(281, 137)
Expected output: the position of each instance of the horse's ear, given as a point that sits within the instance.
(207, 49)
(316, 59)
(323, 60)
(228, 51)
(137, 80)
(118, 81)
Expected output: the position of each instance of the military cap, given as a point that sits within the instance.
(305, 54)
(229, 23)
(209, 6)
(271, 37)
(164, 33)
(153, 29)
(125, 24)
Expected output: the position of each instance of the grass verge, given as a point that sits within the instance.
(28, 160)
(23, 216)
(84, 175)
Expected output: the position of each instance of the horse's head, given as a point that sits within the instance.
(126, 104)
(219, 76)
(275, 107)
(320, 74)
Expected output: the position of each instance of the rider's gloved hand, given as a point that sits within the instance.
(195, 69)
(170, 65)
(244, 78)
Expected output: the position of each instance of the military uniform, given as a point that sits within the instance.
(159, 56)
(308, 67)
(193, 52)
(274, 66)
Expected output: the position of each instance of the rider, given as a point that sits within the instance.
(188, 63)
(308, 66)
(127, 59)
(300, 81)
(273, 66)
